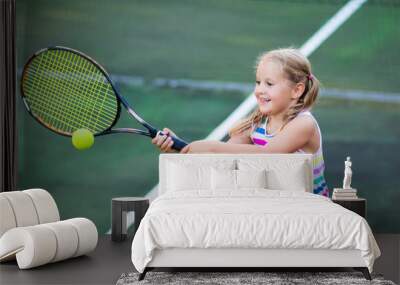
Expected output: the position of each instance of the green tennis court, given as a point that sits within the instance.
(211, 40)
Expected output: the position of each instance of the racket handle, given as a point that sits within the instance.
(178, 143)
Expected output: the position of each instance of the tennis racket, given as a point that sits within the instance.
(66, 90)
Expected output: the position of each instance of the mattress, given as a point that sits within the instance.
(251, 219)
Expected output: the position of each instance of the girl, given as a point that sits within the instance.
(285, 91)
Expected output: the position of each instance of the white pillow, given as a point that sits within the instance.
(223, 179)
(182, 177)
(186, 175)
(291, 175)
(294, 180)
(251, 178)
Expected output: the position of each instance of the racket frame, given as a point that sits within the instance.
(152, 132)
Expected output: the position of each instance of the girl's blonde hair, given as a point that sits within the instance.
(296, 68)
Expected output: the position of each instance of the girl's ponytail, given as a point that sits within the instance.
(306, 100)
(313, 90)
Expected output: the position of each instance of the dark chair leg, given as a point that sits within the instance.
(364, 271)
(143, 274)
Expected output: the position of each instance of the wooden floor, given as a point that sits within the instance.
(103, 266)
(111, 259)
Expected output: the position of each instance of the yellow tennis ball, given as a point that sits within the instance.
(82, 139)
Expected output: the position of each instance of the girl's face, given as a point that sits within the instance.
(273, 91)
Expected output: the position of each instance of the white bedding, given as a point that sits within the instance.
(251, 218)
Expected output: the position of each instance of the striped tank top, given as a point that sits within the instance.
(259, 136)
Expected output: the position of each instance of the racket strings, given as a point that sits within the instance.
(84, 102)
(47, 115)
(96, 76)
(68, 92)
(78, 107)
(46, 87)
(58, 120)
(79, 74)
(51, 109)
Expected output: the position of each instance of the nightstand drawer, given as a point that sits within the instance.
(358, 206)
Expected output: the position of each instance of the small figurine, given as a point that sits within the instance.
(347, 174)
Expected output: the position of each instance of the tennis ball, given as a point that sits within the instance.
(82, 139)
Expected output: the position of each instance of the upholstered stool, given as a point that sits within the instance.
(31, 231)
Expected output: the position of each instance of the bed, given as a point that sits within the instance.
(249, 210)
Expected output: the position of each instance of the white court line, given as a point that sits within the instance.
(307, 49)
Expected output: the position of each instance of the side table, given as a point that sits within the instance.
(119, 209)
(358, 205)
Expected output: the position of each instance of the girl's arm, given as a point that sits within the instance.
(242, 138)
(294, 136)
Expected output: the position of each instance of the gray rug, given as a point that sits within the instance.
(230, 278)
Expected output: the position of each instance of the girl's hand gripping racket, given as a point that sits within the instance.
(65, 90)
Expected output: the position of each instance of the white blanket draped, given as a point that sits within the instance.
(253, 218)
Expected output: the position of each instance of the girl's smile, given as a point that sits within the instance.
(263, 100)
